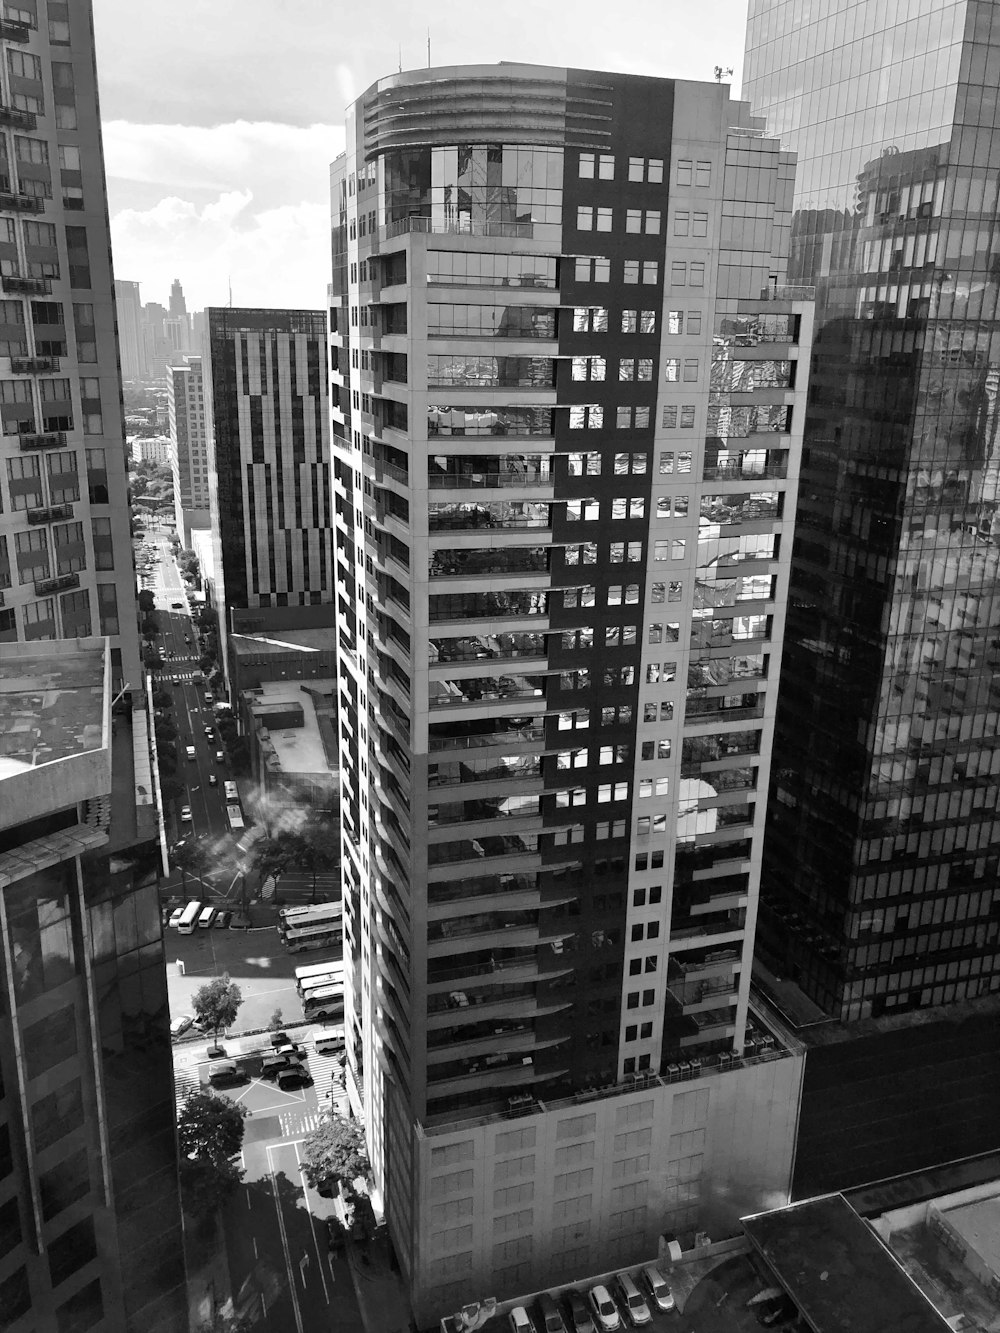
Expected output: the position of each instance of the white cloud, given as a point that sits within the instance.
(247, 200)
(277, 256)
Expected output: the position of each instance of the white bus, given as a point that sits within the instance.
(311, 912)
(327, 935)
(235, 816)
(322, 974)
(231, 792)
(189, 921)
(326, 1002)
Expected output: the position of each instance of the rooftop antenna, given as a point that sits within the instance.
(428, 48)
(721, 74)
(401, 58)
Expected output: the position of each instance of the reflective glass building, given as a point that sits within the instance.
(568, 380)
(880, 885)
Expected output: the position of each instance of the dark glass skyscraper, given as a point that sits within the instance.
(879, 890)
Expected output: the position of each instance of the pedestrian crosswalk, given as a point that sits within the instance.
(186, 1081)
(294, 1123)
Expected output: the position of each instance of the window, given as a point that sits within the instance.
(697, 275)
(691, 370)
(586, 166)
(589, 368)
(677, 548)
(650, 271)
(668, 420)
(593, 269)
(675, 321)
(586, 416)
(585, 218)
(654, 170)
(31, 150)
(682, 223)
(694, 322)
(24, 66)
(606, 167)
(39, 233)
(604, 219)
(69, 158)
(672, 369)
(687, 417)
(636, 168)
(66, 118)
(666, 464)
(703, 175)
(678, 273)
(630, 273)
(661, 550)
(699, 224)
(685, 171)
(590, 319)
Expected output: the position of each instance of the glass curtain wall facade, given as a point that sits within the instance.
(564, 371)
(879, 892)
(66, 568)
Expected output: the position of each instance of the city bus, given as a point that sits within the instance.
(319, 974)
(326, 1002)
(327, 935)
(189, 920)
(235, 816)
(231, 792)
(314, 915)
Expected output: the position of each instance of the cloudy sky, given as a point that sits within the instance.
(221, 116)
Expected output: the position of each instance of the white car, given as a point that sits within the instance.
(185, 814)
(519, 1321)
(605, 1311)
(175, 917)
(180, 1025)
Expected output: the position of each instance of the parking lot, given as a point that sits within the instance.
(255, 959)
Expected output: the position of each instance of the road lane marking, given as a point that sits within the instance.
(284, 1245)
(312, 1228)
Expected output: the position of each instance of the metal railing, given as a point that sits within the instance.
(520, 231)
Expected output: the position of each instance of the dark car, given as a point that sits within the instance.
(222, 920)
(547, 1315)
(177, 606)
(280, 1039)
(578, 1317)
(273, 1065)
(294, 1077)
(227, 1074)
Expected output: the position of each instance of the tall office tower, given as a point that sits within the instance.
(89, 1205)
(178, 306)
(190, 451)
(128, 308)
(272, 511)
(881, 890)
(565, 416)
(66, 567)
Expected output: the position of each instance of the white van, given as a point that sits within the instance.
(206, 917)
(189, 918)
(189, 751)
(629, 1295)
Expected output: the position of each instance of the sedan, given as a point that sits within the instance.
(222, 920)
(604, 1309)
(175, 916)
(213, 781)
(519, 1321)
(175, 680)
(185, 814)
(180, 1025)
(177, 606)
(580, 1320)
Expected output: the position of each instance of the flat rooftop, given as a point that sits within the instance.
(297, 749)
(978, 1224)
(51, 704)
(837, 1270)
(279, 642)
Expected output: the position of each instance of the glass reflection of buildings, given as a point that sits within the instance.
(564, 444)
(90, 1222)
(880, 884)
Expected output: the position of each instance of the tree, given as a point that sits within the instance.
(190, 858)
(170, 788)
(147, 602)
(206, 1185)
(211, 1126)
(335, 1152)
(164, 730)
(217, 1003)
(161, 699)
(273, 856)
(276, 1021)
(239, 756)
(150, 628)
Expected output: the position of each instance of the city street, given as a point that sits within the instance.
(256, 960)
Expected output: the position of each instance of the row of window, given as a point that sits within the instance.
(594, 319)
(687, 171)
(39, 618)
(683, 273)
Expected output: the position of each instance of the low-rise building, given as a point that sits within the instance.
(293, 742)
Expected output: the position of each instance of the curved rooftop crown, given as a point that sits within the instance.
(530, 104)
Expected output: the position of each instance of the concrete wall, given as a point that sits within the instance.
(514, 1205)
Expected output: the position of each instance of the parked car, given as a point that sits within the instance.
(185, 814)
(177, 606)
(579, 1317)
(630, 1297)
(175, 680)
(222, 920)
(213, 781)
(606, 1314)
(180, 1025)
(209, 697)
(189, 751)
(220, 757)
(210, 735)
(272, 1065)
(519, 1321)
(295, 1076)
(175, 916)
(227, 1074)
(293, 1051)
(547, 1314)
(656, 1288)
(280, 1039)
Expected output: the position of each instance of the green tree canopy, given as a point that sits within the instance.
(335, 1152)
(147, 602)
(190, 858)
(206, 1185)
(217, 1003)
(211, 1126)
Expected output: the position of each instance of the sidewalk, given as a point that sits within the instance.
(209, 1285)
(380, 1290)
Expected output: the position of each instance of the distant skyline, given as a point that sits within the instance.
(221, 119)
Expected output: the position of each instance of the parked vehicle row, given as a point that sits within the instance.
(197, 915)
(627, 1302)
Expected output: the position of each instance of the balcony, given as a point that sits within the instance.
(16, 202)
(33, 365)
(50, 514)
(17, 119)
(14, 282)
(43, 587)
(461, 226)
(50, 439)
(14, 32)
